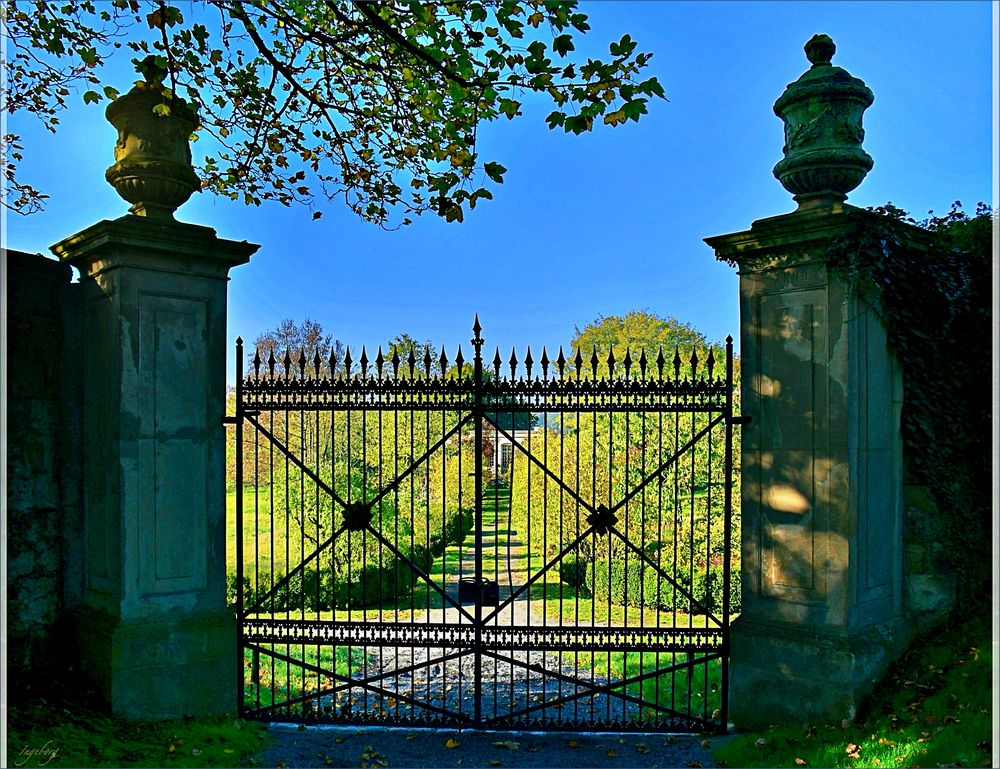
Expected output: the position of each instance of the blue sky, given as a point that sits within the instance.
(597, 224)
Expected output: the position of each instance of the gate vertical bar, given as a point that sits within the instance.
(477, 410)
(727, 536)
(238, 417)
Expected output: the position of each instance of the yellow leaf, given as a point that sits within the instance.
(494, 762)
(452, 743)
(886, 742)
(611, 753)
(171, 748)
(572, 743)
(800, 762)
(704, 744)
(641, 748)
(761, 742)
(509, 744)
(851, 748)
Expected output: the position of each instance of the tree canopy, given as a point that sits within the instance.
(377, 104)
(634, 332)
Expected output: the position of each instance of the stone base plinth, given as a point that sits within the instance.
(784, 675)
(152, 669)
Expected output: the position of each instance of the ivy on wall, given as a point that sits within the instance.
(932, 290)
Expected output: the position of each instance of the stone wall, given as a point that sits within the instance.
(929, 584)
(44, 439)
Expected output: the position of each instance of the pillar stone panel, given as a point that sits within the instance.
(155, 633)
(822, 490)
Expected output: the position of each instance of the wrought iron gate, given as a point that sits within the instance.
(435, 542)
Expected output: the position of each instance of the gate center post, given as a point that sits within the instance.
(477, 410)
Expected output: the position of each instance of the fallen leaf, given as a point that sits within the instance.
(509, 745)
(888, 743)
(704, 744)
(611, 753)
(640, 747)
(931, 720)
(452, 743)
(671, 740)
(800, 762)
(171, 748)
(411, 736)
(495, 762)
(338, 740)
(694, 764)
(761, 742)
(844, 724)
(951, 720)
(572, 743)
(851, 748)
(195, 751)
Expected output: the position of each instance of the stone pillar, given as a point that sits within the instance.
(822, 494)
(155, 633)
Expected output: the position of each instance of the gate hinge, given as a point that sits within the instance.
(227, 420)
(741, 420)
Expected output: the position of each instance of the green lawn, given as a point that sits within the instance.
(932, 709)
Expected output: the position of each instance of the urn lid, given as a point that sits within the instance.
(148, 94)
(823, 78)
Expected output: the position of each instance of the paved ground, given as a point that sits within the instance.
(373, 747)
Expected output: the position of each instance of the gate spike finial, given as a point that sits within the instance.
(497, 363)
(363, 360)
(288, 363)
(527, 363)
(347, 363)
(627, 361)
(545, 363)
(459, 361)
(395, 361)
(333, 363)
(578, 363)
(316, 364)
(561, 362)
(477, 339)
(379, 362)
(593, 362)
(642, 363)
(513, 363)
(694, 364)
(256, 364)
(660, 362)
(302, 363)
(710, 362)
(271, 362)
(411, 361)
(443, 360)
(677, 363)
(427, 361)
(611, 363)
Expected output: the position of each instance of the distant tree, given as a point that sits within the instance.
(306, 337)
(634, 332)
(378, 104)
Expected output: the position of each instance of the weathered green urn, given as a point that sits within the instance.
(153, 156)
(822, 112)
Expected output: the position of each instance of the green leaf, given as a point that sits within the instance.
(510, 108)
(111, 92)
(563, 44)
(91, 97)
(495, 171)
(163, 110)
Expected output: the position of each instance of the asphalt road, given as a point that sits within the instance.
(377, 747)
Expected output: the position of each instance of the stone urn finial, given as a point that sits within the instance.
(153, 157)
(822, 112)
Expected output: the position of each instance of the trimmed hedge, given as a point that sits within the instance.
(370, 585)
(636, 583)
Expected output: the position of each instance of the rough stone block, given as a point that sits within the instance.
(932, 593)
